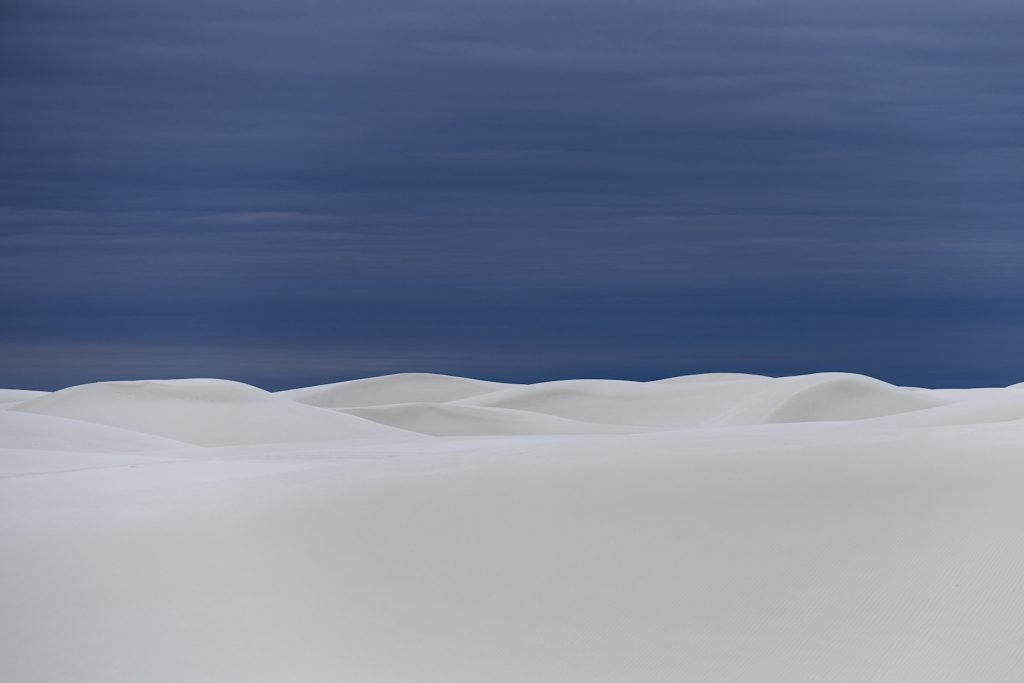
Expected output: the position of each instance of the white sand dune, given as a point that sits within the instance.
(27, 430)
(442, 419)
(390, 389)
(1001, 405)
(708, 377)
(826, 527)
(754, 400)
(206, 412)
(12, 395)
(828, 396)
(616, 402)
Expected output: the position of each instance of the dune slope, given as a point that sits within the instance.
(389, 389)
(444, 419)
(31, 431)
(738, 401)
(205, 412)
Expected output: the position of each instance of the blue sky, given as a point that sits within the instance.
(300, 192)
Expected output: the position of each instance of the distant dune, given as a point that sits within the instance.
(205, 412)
(708, 377)
(419, 528)
(731, 401)
(20, 429)
(445, 419)
(402, 388)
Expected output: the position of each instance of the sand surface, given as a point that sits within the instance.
(424, 528)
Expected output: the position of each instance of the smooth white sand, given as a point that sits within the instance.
(820, 528)
(205, 412)
(402, 388)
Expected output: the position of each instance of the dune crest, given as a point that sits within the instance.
(204, 412)
(736, 401)
(409, 387)
(709, 377)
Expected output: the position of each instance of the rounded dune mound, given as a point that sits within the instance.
(18, 395)
(752, 400)
(45, 432)
(969, 394)
(829, 396)
(441, 419)
(205, 412)
(709, 377)
(621, 402)
(999, 405)
(411, 387)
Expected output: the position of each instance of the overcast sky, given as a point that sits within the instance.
(299, 192)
